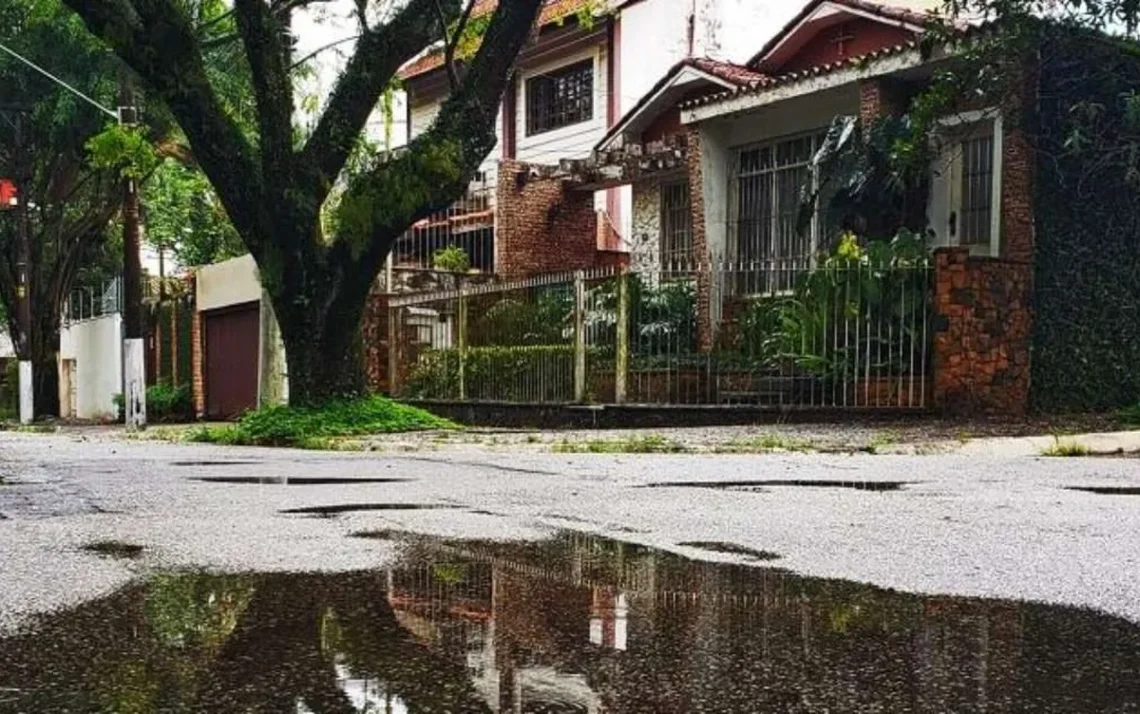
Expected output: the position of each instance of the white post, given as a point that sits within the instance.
(26, 402)
(134, 382)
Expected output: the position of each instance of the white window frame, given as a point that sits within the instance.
(955, 127)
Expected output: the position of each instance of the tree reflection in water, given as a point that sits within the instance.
(572, 625)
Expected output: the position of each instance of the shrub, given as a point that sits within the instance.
(452, 258)
(164, 403)
(1131, 415)
(306, 426)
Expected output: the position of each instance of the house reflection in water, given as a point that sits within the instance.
(576, 625)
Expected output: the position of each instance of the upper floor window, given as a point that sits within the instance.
(560, 98)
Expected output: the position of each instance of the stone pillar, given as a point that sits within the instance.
(374, 335)
(702, 257)
(983, 324)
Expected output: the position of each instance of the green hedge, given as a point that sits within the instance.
(537, 373)
(1086, 338)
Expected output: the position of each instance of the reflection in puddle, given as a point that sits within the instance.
(575, 624)
(356, 507)
(1108, 490)
(296, 480)
(805, 483)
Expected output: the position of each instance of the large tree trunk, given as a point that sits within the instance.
(45, 385)
(323, 350)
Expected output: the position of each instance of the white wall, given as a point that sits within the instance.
(97, 348)
(231, 282)
(570, 142)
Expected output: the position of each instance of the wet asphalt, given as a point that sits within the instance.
(1052, 531)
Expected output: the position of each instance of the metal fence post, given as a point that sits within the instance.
(462, 344)
(580, 337)
(621, 363)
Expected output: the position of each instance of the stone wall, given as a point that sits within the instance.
(982, 322)
(542, 226)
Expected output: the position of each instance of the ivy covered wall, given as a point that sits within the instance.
(1086, 338)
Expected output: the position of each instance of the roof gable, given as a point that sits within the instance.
(684, 80)
(828, 31)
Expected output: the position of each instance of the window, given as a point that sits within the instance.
(965, 194)
(770, 183)
(676, 227)
(560, 98)
(977, 190)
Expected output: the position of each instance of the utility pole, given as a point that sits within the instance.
(23, 277)
(134, 329)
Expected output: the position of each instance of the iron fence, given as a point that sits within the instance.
(90, 302)
(839, 334)
(466, 227)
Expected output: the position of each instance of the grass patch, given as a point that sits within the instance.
(1065, 447)
(651, 444)
(1130, 415)
(28, 428)
(320, 427)
(763, 444)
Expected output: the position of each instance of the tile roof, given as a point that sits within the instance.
(822, 69)
(738, 75)
(552, 12)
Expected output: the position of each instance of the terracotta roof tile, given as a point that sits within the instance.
(552, 12)
(729, 72)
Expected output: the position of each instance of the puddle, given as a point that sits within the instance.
(355, 507)
(716, 546)
(114, 549)
(1108, 490)
(295, 480)
(573, 624)
(799, 483)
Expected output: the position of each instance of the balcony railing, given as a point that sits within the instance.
(468, 224)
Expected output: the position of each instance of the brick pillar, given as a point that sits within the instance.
(197, 358)
(701, 256)
(374, 339)
(879, 97)
(541, 226)
(1017, 173)
(983, 325)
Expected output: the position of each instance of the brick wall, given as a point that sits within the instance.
(983, 322)
(541, 226)
(197, 366)
(1017, 171)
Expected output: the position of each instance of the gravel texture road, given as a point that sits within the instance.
(961, 524)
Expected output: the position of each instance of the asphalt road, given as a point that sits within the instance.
(973, 525)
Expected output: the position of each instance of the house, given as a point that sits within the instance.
(589, 62)
(739, 146)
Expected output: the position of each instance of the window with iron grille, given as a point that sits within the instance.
(977, 190)
(560, 98)
(676, 226)
(770, 182)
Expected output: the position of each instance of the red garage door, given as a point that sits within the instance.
(231, 360)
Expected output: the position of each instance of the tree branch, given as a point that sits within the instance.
(438, 164)
(448, 47)
(379, 54)
(264, 47)
(154, 38)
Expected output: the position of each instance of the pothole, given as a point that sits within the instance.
(796, 483)
(717, 546)
(296, 480)
(215, 463)
(359, 507)
(114, 549)
(1108, 490)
